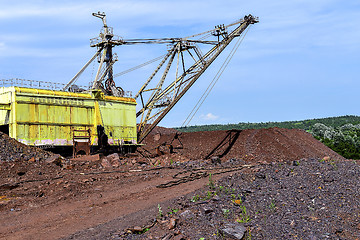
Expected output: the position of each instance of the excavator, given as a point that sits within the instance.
(160, 92)
(104, 114)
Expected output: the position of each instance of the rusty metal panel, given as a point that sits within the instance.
(123, 123)
(45, 117)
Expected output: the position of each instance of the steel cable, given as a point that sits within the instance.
(139, 66)
(213, 82)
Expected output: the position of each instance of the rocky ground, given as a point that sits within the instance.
(261, 184)
(305, 199)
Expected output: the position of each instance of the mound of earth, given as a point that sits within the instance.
(12, 150)
(163, 130)
(260, 145)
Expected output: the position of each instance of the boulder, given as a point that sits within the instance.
(233, 230)
(55, 159)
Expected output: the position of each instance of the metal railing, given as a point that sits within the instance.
(19, 82)
(33, 84)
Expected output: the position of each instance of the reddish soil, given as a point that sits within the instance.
(260, 145)
(39, 199)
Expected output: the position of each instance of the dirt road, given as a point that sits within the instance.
(104, 203)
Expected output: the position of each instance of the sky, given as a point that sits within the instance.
(301, 61)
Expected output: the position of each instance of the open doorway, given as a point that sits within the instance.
(4, 129)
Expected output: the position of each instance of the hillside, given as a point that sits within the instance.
(333, 122)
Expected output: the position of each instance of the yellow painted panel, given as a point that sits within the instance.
(44, 117)
(4, 117)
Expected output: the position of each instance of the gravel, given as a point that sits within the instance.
(12, 150)
(304, 199)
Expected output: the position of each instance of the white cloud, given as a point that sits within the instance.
(25, 10)
(209, 116)
(7, 51)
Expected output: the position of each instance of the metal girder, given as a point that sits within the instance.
(163, 100)
(155, 72)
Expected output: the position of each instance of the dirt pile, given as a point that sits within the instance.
(260, 145)
(163, 131)
(307, 199)
(12, 150)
